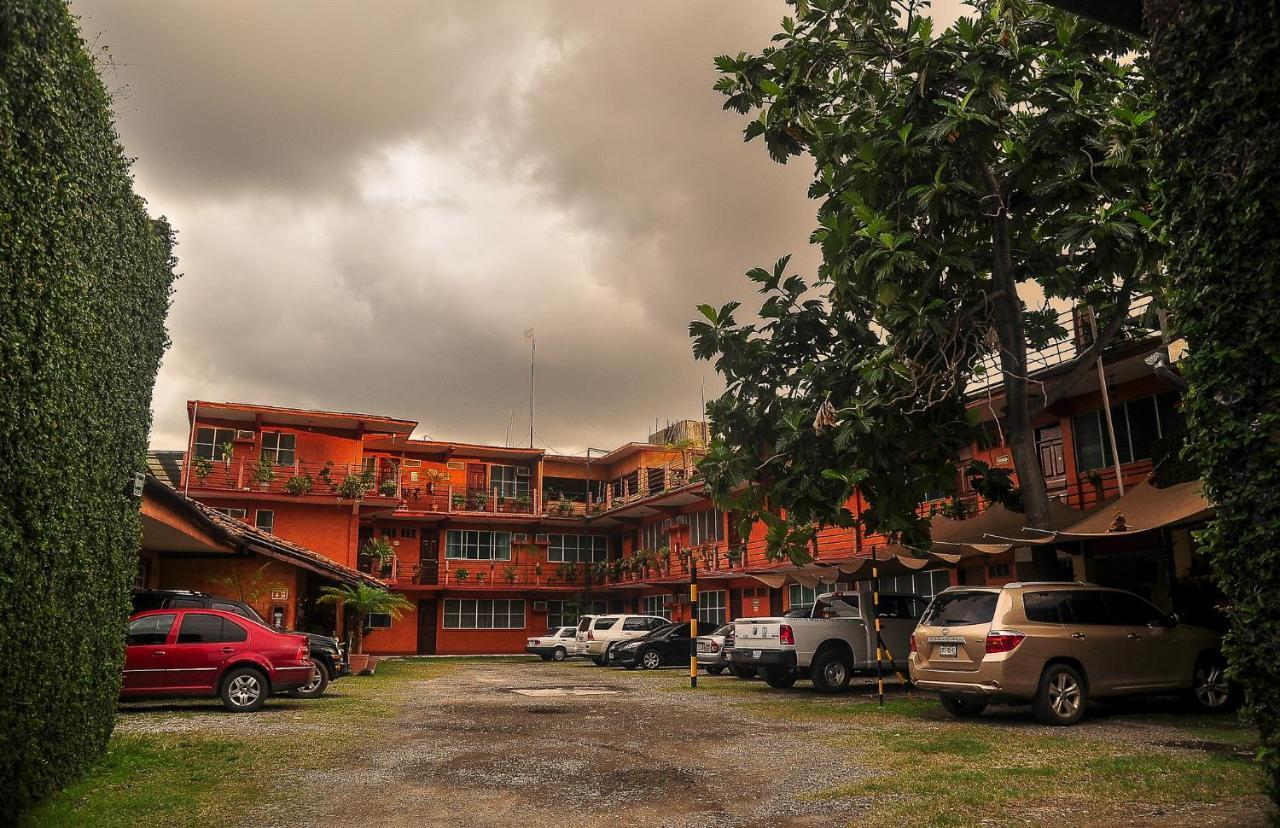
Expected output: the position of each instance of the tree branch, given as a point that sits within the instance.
(1086, 360)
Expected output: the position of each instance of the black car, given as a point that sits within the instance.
(326, 652)
(669, 644)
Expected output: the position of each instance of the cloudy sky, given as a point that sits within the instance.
(375, 201)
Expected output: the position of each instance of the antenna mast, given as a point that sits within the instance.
(533, 349)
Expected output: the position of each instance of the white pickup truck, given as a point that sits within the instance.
(833, 641)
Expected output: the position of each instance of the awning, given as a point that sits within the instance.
(1144, 508)
(997, 529)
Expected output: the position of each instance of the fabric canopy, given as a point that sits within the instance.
(997, 529)
(1144, 508)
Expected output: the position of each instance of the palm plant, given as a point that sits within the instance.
(363, 599)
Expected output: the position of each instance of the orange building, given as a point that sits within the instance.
(492, 544)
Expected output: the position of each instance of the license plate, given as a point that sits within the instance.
(947, 650)
(755, 653)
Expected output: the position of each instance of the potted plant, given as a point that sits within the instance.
(325, 475)
(461, 575)
(354, 486)
(565, 506)
(734, 555)
(389, 487)
(509, 574)
(524, 503)
(459, 500)
(362, 600)
(480, 577)
(201, 468)
(227, 451)
(263, 472)
(479, 499)
(299, 484)
(381, 550)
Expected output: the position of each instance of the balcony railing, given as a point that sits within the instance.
(444, 498)
(256, 474)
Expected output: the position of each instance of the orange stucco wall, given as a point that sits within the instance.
(248, 579)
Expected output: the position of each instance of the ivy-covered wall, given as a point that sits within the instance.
(1216, 66)
(86, 282)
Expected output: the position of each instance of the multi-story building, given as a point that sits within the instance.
(491, 544)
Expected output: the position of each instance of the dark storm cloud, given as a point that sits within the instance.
(374, 201)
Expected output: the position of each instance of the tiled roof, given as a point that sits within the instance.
(166, 466)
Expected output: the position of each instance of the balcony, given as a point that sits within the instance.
(349, 481)
(445, 499)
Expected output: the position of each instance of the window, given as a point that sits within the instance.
(1138, 424)
(203, 628)
(510, 481)
(243, 612)
(209, 442)
(483, 614)
(389, 532)
(711, 607)
(409, 532)
(572, 548)
(477, 545)
(265, 519)
(566, 613)
(1044, 607)
(957, 609)
(652, 538)
(926, 584)
(278, 448)
(636, 624)
(1000, 570)
(656, 605)
(705, 527)
(151, 630)
(1131, 611)
(238, 514)
(903, 607)
(378, 620)
(1087, 608)
(802, 596)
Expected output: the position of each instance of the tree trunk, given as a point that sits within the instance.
(1011, 331)
(1216, 68)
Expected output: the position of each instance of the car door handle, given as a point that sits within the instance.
(1077, 635)
(157, 652)
(1134, 636)
(228, 649)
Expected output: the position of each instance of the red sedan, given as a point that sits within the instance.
(203, 652)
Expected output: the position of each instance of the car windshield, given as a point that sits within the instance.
(584, 623)
(958, 609)
(723, 630)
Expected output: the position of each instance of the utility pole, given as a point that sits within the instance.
(533, 349)
(693, 625)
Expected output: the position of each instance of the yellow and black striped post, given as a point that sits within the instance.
(875, 611)
(693, 625)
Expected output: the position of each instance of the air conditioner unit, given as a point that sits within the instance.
(520, 537)
(245, 434)
(667, 525)
(680, 520)
(539, 606)
(541, 538)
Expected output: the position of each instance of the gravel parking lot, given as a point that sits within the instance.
(485, 743)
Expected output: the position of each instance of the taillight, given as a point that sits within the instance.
(1003, 641)
(729, 639)
(715, 648)
(785, 635)
(913, 644)
(303, 652)
(591, 636)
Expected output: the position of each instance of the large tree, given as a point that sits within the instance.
(965, 179)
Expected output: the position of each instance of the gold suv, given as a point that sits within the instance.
(1057, 645)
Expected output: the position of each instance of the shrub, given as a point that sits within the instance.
(87, 278)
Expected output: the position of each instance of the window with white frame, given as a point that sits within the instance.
(652, 538)
(265, 519)
(510, 481)
(711, 608)
(705, 527)
(801, 595)
(483, 614)
(656, 605)
(209, 442)
(566, 613)
(278, 447)
(238, 514)
(378, 620)
(477, 545)
(572, 548)
(926, 584)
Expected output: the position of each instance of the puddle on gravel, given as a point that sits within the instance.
(551, 692)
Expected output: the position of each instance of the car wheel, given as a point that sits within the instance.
(244, 690)
(962, 708)
(544, 656)
(559, 654)
(715, 671)
(597, 660)
(650, 659)
(830, 672)
(315, 688)
(779, 677)
(1061, 698)
(1211, 690)
(742, 671)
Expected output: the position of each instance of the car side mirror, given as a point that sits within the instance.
(1172, 620)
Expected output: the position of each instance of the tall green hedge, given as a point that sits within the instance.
(86, 283)
(1216, 65)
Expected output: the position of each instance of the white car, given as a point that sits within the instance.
(554, 646)
(597, 633)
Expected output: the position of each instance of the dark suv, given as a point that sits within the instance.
(326, 652)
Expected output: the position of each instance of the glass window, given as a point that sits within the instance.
(656, 605)
(1131, 611)
(510, 481)
(469, 544)
(209, 442)
(1044, 607)
(278, 448)
(483, 614)
(1087, 607)
(265, 519)
(577, 548)
(961, 608)
(1138, 423)
(711, 607)
(378, 620)
(238, 514)
(705, 527)
(203, 628)
(802, 596)
(152, 629)
(604, 623)
(652, 538)
(634, 624)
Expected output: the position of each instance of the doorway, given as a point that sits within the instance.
(427, 626)
(428, 560)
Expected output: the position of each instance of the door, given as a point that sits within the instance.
(477, 478)
(146, 653)
(428, 560)
(427, 626)
(1052, 461)
(1154, 651)
(205, 641)
(735, 604)
(1098, 643)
